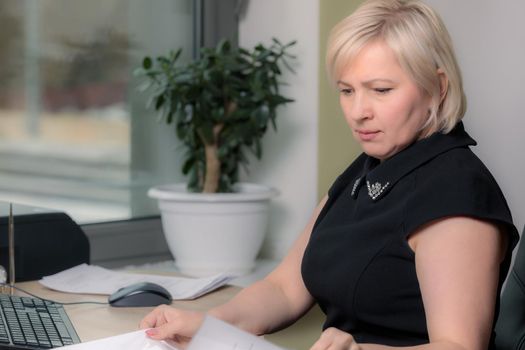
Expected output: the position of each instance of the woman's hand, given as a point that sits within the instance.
(168, 323)
(335, 339)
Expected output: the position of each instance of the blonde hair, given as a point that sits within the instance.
(421, 43)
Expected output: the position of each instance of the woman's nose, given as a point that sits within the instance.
(361, 108)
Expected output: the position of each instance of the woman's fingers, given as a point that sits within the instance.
(170, 330)
(169, 323)
(335, 339)
(155, 317)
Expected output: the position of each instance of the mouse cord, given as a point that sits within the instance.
(49, 300)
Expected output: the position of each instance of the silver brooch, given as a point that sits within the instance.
(376, 189)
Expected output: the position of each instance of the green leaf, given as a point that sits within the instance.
(262, 115)
(188, 165)
(223, 47)
(288, 66)
(258, 148)
(291, 43)
(272, 119)
(181, 130)
(159, 102)
(169, 117)
(146, 63)
(163, 61)
(177, 55)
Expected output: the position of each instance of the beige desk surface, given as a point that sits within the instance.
(93, 321)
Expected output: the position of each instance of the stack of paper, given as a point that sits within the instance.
(89, 279)
(219, 335)
(212, 335)
(130, 341)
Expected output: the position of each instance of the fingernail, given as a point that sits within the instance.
(152, 332)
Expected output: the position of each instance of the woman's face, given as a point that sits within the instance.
(382, 105)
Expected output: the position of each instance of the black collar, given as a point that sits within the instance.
(380, 177)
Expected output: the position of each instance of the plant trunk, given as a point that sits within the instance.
(213, 169)
(213, 164)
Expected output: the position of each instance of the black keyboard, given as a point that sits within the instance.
(30, 323)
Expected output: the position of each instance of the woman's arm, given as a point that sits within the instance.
(457, 264)
(277, 300)
(267, 305)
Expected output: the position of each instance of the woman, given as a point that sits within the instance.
(413, 241)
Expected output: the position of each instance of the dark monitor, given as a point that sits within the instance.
(46, 241)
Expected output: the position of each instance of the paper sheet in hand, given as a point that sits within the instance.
(212, 335)
(89, 279)
(218, 335)
(129, 341)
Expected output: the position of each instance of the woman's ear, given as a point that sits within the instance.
(443, 84)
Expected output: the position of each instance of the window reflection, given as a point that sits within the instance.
(68, 101)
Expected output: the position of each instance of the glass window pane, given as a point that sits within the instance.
(74, 131)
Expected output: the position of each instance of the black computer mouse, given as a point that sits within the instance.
(140, 294)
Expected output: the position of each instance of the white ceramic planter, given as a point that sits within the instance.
(212, 233)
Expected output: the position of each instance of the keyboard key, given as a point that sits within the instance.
(68, 341)
(19, 341)
(28, 302)
(62, 330)
(56, 343)
(4, 340)
(44, 344)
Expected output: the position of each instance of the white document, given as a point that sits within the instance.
(89, 279)
(212, 335)
(128, 341)
(218, 335)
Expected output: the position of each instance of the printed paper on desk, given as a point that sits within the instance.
(128, 341)
(89, 279)
(218, 335)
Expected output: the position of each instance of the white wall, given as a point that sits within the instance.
(489, 37)
(290, 155)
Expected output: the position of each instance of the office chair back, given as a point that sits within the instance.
(510, 325)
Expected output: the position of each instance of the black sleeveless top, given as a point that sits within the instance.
(358, 264)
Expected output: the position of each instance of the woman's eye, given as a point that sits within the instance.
(383, 91)
(346, 91)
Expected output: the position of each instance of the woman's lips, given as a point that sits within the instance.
(367, 135)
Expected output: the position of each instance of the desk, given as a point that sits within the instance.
(94, 321)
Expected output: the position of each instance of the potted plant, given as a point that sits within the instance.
(221, 105)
